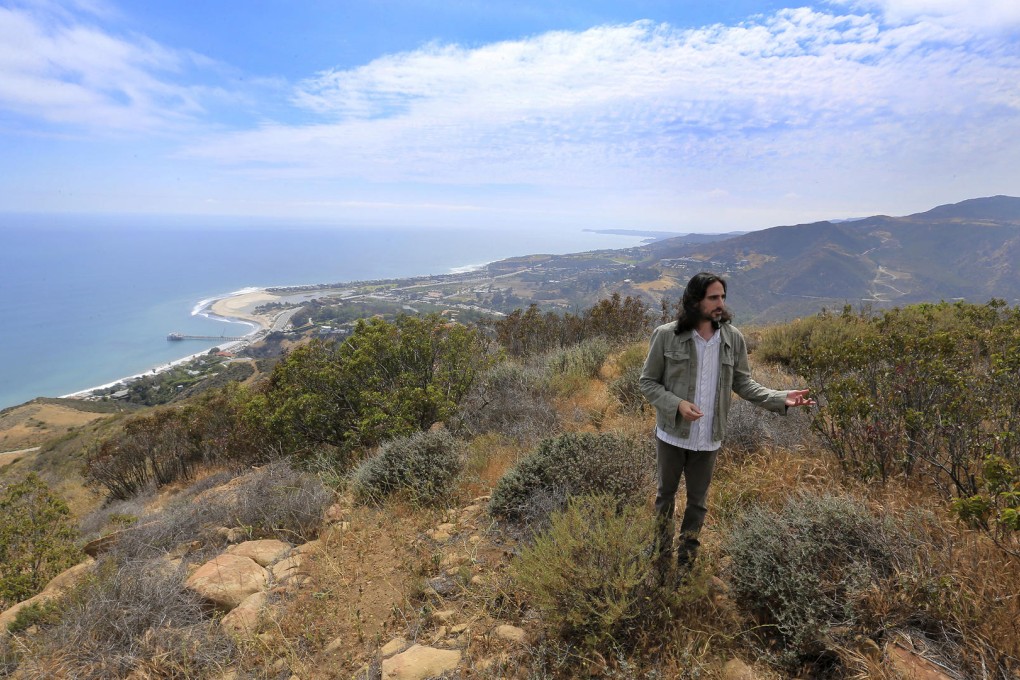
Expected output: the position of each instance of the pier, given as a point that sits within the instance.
(175, 337)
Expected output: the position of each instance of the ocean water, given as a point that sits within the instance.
(85, 301)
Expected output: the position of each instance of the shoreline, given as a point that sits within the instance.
(236, 307)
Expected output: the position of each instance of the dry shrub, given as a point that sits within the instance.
(274, 501)
(423, 466)
(750, 428)
(825, 572)
(607, 463)
(136, 617)
(510, 399)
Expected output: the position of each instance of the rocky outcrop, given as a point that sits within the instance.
(227, 580)
(264, 552)
(418, 663)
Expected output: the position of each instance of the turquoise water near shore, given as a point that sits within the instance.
(85, 301)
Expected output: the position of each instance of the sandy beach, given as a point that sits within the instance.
(242, 306)
(239, 306)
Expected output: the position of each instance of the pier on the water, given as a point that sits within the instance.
(181, 336)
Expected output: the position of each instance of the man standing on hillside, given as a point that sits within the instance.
(693, 366)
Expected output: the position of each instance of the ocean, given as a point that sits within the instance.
(85, 301)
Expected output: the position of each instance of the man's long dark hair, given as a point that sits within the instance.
(694, 293)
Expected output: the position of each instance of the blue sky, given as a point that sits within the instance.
(689, 115)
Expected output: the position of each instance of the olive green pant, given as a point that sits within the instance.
(696, 468)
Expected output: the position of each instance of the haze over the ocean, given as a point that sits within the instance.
(658, 114)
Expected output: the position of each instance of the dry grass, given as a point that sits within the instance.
(365, 589)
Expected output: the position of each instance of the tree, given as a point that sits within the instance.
(37, 535)
(385, 380)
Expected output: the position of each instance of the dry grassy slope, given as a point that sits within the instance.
(32, 424)
(375, 577)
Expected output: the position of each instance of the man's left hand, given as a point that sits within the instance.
(799, 398)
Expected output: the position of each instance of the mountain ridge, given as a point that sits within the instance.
(966, 250)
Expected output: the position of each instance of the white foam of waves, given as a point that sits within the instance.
(225, 347)
(468, 268)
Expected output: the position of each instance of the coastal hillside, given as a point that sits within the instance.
(967, 251)
(429, 499)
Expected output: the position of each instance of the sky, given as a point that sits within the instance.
(679, 115)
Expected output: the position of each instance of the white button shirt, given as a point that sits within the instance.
(706, 385)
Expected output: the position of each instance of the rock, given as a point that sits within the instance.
(309, 547)
(289, 568)
(334, 646)
(228, 579)
(511, 633)
(452, 560)
(443, 586)
(264, 552)
(443, 616)
(418, 663)
(735, 669)
(97, 547)
(478, 580)
(438, 536)
(910, 665)
(394, 646)
(243, 620)
(335, 513)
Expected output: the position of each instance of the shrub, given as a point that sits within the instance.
(37, 539)
(136, 617)
(626, 390)
(572, 464)
(424, 465)
(511, 399)
(386, 380)
(750, 428)
(588, 575)
(583, 360)
(274, 501)
(806, 569)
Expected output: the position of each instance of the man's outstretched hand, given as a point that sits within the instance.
(799, 398)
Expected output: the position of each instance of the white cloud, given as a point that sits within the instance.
(981, 14)
(800, 96)
(64, 70)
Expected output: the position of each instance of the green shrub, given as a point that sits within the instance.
(806, 569)
(424, 465)
(589, 576)
(583, 360)
(386, 380)
(627, 391)
(607, 463)
(37, 539)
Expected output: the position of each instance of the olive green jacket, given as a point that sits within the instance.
(668, 377)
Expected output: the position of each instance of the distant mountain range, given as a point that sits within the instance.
(968, 250)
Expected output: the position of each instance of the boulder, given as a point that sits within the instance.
(418, 663)
(284, 570)
(243, 620)
(511, 633)
(264, 552)
(228, 579)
